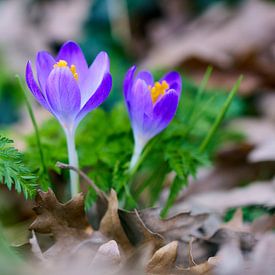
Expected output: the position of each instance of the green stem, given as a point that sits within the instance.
(142, 156)
(73, 161)
(200, 91)
(34, 123)
(191, 117)
(221, 115)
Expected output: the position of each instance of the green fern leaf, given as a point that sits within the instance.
(13, 172)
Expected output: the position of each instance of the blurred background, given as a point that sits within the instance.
(233, 36)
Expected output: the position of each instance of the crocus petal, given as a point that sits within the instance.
(97, 98)
(147, 77)
(44, 65)
(63, 96)
(73, 55)
(128, 83)
(34, 88)
(99, 68)
(140, 104)
(163, 112)
(174, 81)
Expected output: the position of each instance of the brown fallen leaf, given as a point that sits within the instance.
(137, 232)
(110, 225)
(205, 268)
(163, 259)
(66, 222)
(107, 258)
(180, 227)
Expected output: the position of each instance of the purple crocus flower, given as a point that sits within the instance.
(151, 106)
(69, 89)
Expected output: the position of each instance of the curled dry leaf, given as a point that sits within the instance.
(107, 259)
(137, 231)
(110, 224)
(127, 228)
(163, 259)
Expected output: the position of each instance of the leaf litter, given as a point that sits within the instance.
(139, 242)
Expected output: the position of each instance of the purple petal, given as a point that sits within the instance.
(174, 81)
(163, 112)
(99, 68)
(44, 65)
(34, 88)
(147, 77)
(128, 82)
(97, 98)
(63, 95)
(73, 55)
(140, 104)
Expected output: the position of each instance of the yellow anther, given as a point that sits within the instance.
(75, 76)
(73, 70)
(158, 89)
(63, 63)
(60, 63)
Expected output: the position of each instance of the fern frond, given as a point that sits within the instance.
(13, 172)
(184, 162)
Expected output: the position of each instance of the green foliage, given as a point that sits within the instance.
(250, 213)
(10, 99)
(104, 145)
(184, 162)
(13, 171)
(104, 142)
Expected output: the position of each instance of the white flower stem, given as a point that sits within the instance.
(139, 145)
(73, 161)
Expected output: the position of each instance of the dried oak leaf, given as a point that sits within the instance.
(126, 228)
(132, 229)
(66, 222)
